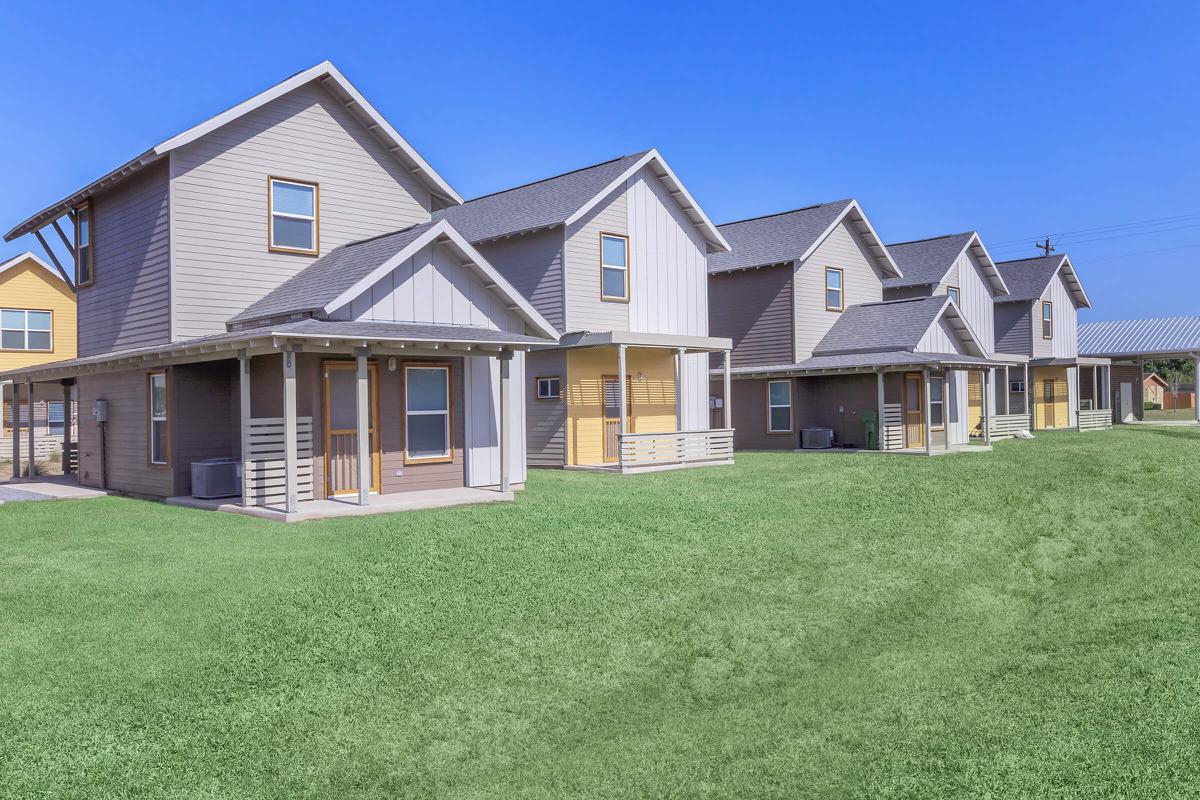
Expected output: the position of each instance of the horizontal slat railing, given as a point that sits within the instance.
(1003, 426)
(891, 431)
(265, 461)
(676, 447)
(1093, 420)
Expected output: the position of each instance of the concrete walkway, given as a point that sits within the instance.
(349, 507)
(46, 487)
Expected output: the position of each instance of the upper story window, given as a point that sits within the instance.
(1047, 320)
(549, 388)
(294, 210)
(84, 260)
(952, 292)
(614, 267)
(835, 295)
(26, 330)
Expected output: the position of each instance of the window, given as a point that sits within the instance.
(1047, 320)
(833, 290)
(1016, 387)
(25, 330)
(952, 291)
(549, 388)
(159, 405)
(293, 209)
(937, 404)
(84, 260)
(779, 407)
(427, 413)
(614, 267)
(54, 418)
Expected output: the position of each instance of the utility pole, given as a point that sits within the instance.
(1045, 246)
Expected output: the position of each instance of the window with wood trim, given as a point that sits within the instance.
(835, 290)
(614, 267)
(22, 329)
(779, 406)
(1016, 387)
(158, 406)
(953, 293)
(1047, 320)
(427, 426)
(85, 260)
(548, 388)
(937, 403)
(293, 209)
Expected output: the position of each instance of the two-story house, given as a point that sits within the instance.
(271, 285)
(37, 325)
(816, 346)
(1039, 319)
(614, 255)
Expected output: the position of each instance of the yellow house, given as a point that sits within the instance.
(37, 325)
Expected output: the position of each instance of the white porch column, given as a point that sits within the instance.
(1078, 395)
(1028, 409)
(244, 411)
(16, 430)
(679, 353)
(32, 460)
(987, 408)
(728, 398)
(505, 432)
(290, 458)
(68, 420)
(928, 422)
(362, 415)
(1007, 397)
(1196, 393)
(1096, 387)
(879, 398)
(622, 391)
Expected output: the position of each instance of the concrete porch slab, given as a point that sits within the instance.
(616, 470)
(348, 507)
(46, 487)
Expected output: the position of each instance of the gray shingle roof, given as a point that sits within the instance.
(926, 261)
(407, 331)
(884, 358)
(1027, 277)
(330, 275)
(535, 205)
(871, 327)
(776, 238)
(1140, 336)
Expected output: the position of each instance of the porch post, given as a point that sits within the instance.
(1078, 396)
(32, 460)
(290, 458)
(622, 391)
(244, 394)
(728, 398)
(362, 411)
(879, 398)
(505, 424)
(16, 430)
(928, 424)
(945, 409)
(68, 419)
(1007, 398)
(1096, 387)
(1196, 391)
(1028, 409)
(679, 353)
(987, 408)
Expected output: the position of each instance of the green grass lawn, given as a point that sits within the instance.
(1182, 414)
(1023, 624)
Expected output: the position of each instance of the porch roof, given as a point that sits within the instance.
(702, 344)
(316, 334)
(865, 362)
(1078, 361)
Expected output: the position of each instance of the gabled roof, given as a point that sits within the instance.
(17, 261)
(330, 78)
(793, 236)
(926, 262)
(894, 325)
(1027, 278)
(1140, 337)
(335, 279)
(1154, 376)
(565, 199)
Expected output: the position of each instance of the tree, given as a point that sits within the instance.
(1172, 370)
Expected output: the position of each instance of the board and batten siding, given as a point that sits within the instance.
(129, 469)
(1013, 331)
(940, 338)
(754, 309)
(481, 389)
(128, 303)
(1065, 341)
(585, 311)
(533, 264)
(218, 187)
(862, 281)
(975, 297)
(546, 420)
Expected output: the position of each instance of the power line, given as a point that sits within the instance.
(1064, 240)
(1144, 252)
(1105, 228)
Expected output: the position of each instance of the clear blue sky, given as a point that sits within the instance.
(1017, 122)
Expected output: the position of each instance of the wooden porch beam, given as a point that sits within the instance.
(54, 259)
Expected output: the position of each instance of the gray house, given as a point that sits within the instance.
(272, 285)
(816, 345)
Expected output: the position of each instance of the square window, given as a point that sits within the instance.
(25, 330)
(549, 388)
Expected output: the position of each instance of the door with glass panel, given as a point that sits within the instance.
(341, 427)
(428, 414)
(914, 414)
(612, 415)
(1048, 403)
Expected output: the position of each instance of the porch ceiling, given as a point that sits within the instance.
(696, 344)
(866, 362)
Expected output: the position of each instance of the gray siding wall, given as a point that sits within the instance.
(534, 265)
(754, 308)
(128, 470)
(128, 303)
(750, 417)
(205, 416)
(908, 292)
(1013, 328)
(818, 401)
(585, 310)
(546, 420)
(844, 249)
(975, 297)
(1127, 373)
(219, 201)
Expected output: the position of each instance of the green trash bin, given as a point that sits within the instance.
(871, 426)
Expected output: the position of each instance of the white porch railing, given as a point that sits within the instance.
(891, 429)
(1095, 420)
(1004, 426)
(675, 447)
(264, 461)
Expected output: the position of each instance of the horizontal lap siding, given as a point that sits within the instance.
(546, 420)
(126, 435)
(128, 304)
(754, 309)
(1014, 331)
(1128, 373)
(585, 310)
(750, 417)
(28, 286)
(818, 399)
(843, 249)
(417, 477)
(533, 264)
(205, 417)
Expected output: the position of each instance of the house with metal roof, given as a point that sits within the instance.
(818, 348)
(272, 311)
(1129, 343)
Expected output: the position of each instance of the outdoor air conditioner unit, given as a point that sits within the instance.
(816, 438)
(216, 477)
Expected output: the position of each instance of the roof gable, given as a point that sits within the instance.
(327, 75)
(1027, 278)
(926, 262)
(896, 325)
(28, 257)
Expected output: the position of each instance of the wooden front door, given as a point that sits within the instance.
(1048, 403)
(914, 410)
(341, 433)
(611, 429)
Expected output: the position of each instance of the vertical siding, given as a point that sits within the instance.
(669, 284)
(584, 308)
(695, 392)
(843, 249)
(1065, 342)
(1013, 328)
(482, 400)
(754, 309)
(128, 304)
(128, 470)
(975, 296)
(534, 265)
(205, 416)
(545, 420)
(941, 338)
(219, 201)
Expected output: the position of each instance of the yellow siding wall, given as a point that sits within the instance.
(1062, 416)
(652, 397)
(975, 403)
(28, 287)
